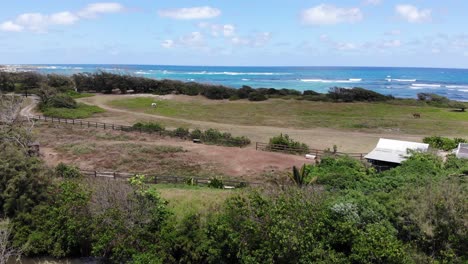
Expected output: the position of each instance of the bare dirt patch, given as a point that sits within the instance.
(134, 152)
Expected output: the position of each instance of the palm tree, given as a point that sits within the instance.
(299, 177)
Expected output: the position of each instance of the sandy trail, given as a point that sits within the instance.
(319, 138)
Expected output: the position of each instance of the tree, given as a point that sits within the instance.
(6, 250)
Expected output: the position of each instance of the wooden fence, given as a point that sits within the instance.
(301, 151)
(92, 124)
(158, 179)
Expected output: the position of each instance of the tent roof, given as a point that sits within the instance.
(462, 151)
(394, 151)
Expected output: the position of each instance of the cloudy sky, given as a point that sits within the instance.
(428, 33)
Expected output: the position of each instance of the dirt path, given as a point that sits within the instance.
(320, 138)
(28, 110)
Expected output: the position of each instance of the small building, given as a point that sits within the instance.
(462, 151)
(389, 153)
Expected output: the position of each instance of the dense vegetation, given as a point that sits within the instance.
(106, 82)
(342, 212)
(209, 136)
(287, 144)
(443, 143)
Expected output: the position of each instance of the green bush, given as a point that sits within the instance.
(443, 143)
(181, 132)
(67, 171)
(276, 144)
(196, 134)
(216, 183)
(256, 96)
(62, 101)
(148, 127)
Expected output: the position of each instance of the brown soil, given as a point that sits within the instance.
(246, 163)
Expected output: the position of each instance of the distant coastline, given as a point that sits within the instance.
(398, 82)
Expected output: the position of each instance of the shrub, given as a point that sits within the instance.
(256, 96)
(62, 101)
(310, 92)
(339, 94)
(148, 127)
(181, 132)
(196, 134)
(277, 142)
(443, 143)
(67, 171)
(216, 183)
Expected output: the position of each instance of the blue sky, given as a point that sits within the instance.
(429, 33)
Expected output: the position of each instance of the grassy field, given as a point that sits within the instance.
(185, 199)
(82, 111)
(306, 114)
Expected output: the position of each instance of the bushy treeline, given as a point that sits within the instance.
(209, 136)
(105, 82)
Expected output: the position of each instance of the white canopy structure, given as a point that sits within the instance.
(394, 151)
(462, 151)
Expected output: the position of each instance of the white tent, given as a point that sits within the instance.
(462, 151)
(394, 151)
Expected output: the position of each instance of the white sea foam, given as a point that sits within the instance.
(142, 72)
(244, 79)
(400, 80)
(237, 73)
(191, 80)
(463, 90)
(424, 85)
(352, 80)
(457, 86)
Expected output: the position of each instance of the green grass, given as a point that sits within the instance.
(306, 114)
(77, 95)
(184, 199)
(82, 111)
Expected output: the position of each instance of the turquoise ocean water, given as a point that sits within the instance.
(399, 82)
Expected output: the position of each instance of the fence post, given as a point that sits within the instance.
(104, 126)
(95, 174)
(113, 126)
(73, 121)
(114, 175)
(88, 124)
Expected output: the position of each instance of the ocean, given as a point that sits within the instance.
(399, 82)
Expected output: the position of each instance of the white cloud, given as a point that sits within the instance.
(413, 14)
(329, 14)
(93, 10)
(202, 12)
(63, 18)
(435, 50)
(240, 41)
(229, 30)
(168, 43)
(39, 23)
(346, 46)
(10, 26)
(258, 40)
(372, 2)
(216, 30)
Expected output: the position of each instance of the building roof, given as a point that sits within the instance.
(394, 151)
(462, 151)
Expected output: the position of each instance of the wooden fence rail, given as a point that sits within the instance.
(301, 151)
(158, 179)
